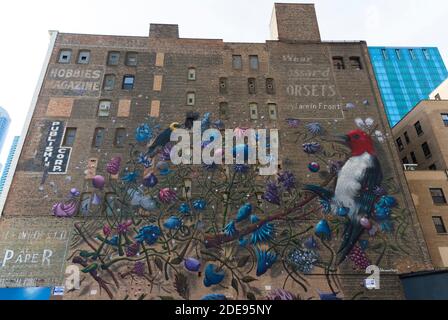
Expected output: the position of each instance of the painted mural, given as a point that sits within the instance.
(153, 230)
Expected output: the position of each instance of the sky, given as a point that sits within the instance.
(24, 29)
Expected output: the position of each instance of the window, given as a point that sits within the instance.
(406, 137)
(412, 54)
(439, 224)
(272, 109)
(270, 88)
(104, 108)
(398, 53)
(224, 110)
(252, 85)
(109, 82)
(128, 82)
(426, 150)
(192, 74)
(355, 63)
(131, 59)
(433, 167)
(438, 197)
(191, 98)
(253, 61)
(418, 128)
(445, 119)
(253, 111)
(414, 158)
(98, 137)
(400, 144)
(437, 97)
(426, 54)
(65, 56)
(84, 57)
(110, 203)
(120, 137)
(338, 63)
(405, 160)
(86, 201)
(113, 58)
(384, 53)
(237, 62)
(69, 137)
(222, 85)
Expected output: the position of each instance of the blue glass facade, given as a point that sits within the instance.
(5, 121)
(406, 76)
(7, 167)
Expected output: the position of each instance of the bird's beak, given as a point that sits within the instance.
(342, 139)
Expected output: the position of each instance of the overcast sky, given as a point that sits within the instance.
(24, 29)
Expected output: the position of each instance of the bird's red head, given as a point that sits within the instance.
(360, 143)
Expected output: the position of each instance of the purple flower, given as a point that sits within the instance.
(167, 195)
(139, 268)
(132, 250)
(288, 180)
(271, 194)
(379, 191)
(107, 231)
(281, 294)
(144, 160)
(293, 123)
(311, 147)
(165, 154)
(123, 228)
(314, 128)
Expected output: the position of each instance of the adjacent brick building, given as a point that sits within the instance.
(97, 89)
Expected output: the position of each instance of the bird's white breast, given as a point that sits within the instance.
(349, 181)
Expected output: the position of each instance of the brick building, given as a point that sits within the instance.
(96, 90)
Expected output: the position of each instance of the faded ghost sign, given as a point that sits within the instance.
(75, 81)
(310, 87)
(32, 252)
(56, 157)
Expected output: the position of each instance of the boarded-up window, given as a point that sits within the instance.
(272, 109)
(338, 63)
(270, 88)
(113, 58)
(69, 137)
(355, 63)
(92, 165)
(253, 111)
(60, 107)
(131, 59)
(98, 137)
(237, 62)
(222, 85)
(155, 109)
(252, 85)
(253, 61)
(224, 110)
(120, 137)
(157, 86)
(160, 59)
(124, 108)
(109, 82)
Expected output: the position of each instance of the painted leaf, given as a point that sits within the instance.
(181, 285)
(243, 261)
(235, 284)
(248, 279)
(251, 296)
(159, 263)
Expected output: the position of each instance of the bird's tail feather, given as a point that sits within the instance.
(321, 192)
(352, 233)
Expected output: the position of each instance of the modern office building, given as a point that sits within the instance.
(5, 121)
(144, 228)
(406, 76)
(421, 138)
(6, 170)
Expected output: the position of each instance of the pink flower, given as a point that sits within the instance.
(167, 195)
(107, 231)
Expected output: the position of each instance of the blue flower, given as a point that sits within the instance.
(149, 234)
(303, 260)
(113, 241)
(342, 211)
(143, 133)
(199, 204)
(288, 180)
(144, 160)
(388, 201)
(244, 212)
(241, 168)
(212, 276)
(214, 296)
(184, 209)
(263, 234)
(314, 128)
(254, 219)
(243, 242)
(130, 177)
(265, 260)
(323, 230)
(310, 243)
(173, 223)
(382, 213)
(230, 229)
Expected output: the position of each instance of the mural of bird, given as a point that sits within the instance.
(162, 139)
(355, 187)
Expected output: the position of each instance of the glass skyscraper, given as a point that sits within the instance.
(7, 167)
(406, 76)
(5, 121)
